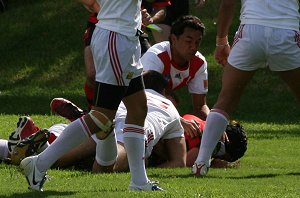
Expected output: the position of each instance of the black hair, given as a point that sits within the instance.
(187, 21)
(154, 80)
(237, 144)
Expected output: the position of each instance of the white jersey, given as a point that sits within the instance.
(121, 16)
(272, 13)
(162, 121)
(194, 75)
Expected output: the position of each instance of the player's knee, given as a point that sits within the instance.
(104, 124)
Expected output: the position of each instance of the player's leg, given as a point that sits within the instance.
(134, 139)
(89, 86)
(285, 58)
(121, 164)
(247, 55)
(35, 167)
(233, 84)
(292, 78)
(77, 154)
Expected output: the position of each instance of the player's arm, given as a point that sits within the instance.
(225, 16)
(158, 14)
(176, 153)
(155, 17)
(200, 107)
(191, 127)
(91, 5)
(201, 110)
(199, 3)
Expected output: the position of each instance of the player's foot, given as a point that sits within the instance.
(25, 128)
(29, 146)
(66, 109)
(150, 186)
(34, 177)
(200, 170)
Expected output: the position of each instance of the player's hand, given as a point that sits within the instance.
(199, 3)
(146, 17)
(221, 54)
(224, 137)
(191, 127)
(92, 6)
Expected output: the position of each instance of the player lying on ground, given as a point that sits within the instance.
(234, 145)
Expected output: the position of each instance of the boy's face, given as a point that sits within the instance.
(186, 45)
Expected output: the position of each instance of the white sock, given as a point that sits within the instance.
(74, 134)
(3, 149)
(134, 142)
(215, 126)
(106, 150)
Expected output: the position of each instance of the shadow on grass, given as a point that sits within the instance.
(270, 175)
(258, 176)
(41, 194)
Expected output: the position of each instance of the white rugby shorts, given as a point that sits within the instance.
(257, 46)
(116, 57)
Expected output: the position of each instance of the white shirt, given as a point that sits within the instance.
(121, 16)
(272, 13)
(158, 58)
(162, 121)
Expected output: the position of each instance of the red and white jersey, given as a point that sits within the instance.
(194, 75)
(271, 13)
(162, 121)
(120, 16)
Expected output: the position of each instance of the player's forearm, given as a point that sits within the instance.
(202, 112)
(226, 13)
(87, 2)
(91, 5)
(159, 16)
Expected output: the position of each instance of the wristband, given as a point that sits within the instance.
(222, 41)
(227, 44)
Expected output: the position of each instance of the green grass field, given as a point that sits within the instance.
(41, 57)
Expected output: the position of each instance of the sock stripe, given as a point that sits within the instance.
(133, 130)
(86, 128)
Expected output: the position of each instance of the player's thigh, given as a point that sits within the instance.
(136, 102)
(89, 63)
(292, 78)
(233, 83)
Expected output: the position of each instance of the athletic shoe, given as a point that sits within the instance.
(34, 177)
(29, 146)
(66, 109)
(25, 128)
(150, 186)
(200, 170)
